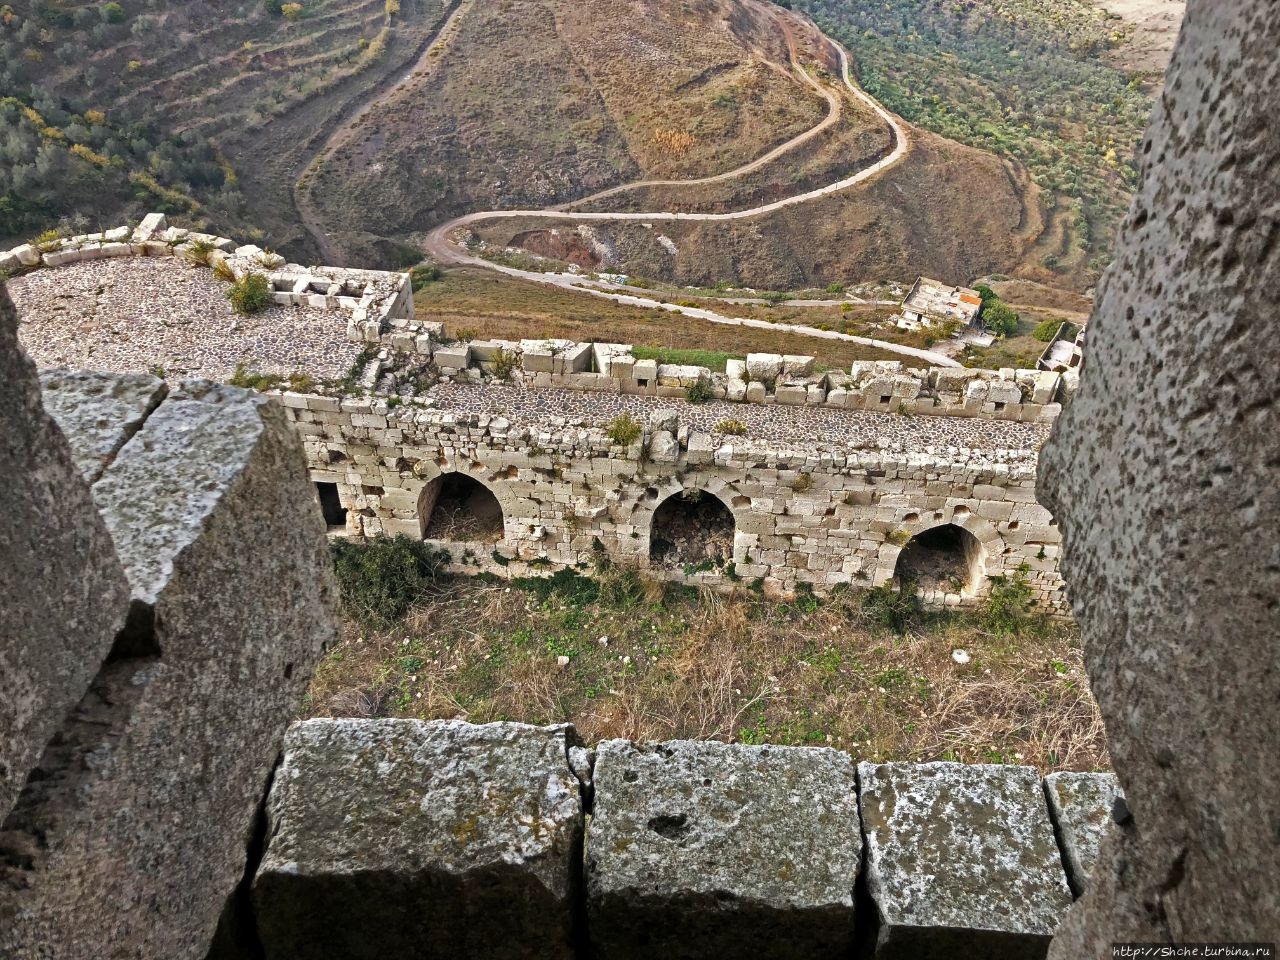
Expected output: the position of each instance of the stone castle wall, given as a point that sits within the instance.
(835, 475)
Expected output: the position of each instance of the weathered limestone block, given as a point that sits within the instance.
(152, 225)
(136, 832)
(665, 418)
(792, 394)
(721, 850)
(397, 838)
(961, 861)
(63, 592)
(664, 447)
(99, 412)
(1166, 490)
(764, 366)
(1082, 806)
(27, 255)
(681, 375)
(458, 356)
(797, 367)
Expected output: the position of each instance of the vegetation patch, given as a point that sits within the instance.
(866, 672)
(250, 294)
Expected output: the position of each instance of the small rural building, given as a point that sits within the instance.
(931, 302)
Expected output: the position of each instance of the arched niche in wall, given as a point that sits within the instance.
(457, 508)
(941, 560)
(966, 550)
(691, 527)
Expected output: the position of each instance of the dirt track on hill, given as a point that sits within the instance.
(440, 245)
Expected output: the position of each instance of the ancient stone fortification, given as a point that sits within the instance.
(796, 479)
(142, 816)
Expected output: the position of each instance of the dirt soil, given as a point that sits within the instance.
(1156, 24)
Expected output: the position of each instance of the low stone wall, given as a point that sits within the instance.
(372, 298)
(446, 840)
(885, 386)
(816, 514)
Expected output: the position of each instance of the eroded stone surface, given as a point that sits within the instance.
(1168, 496)
(403, 838)
(961, 861)
(63, 594)
(99, 412)
(1082, 806)
(711, 849)
(136, 831)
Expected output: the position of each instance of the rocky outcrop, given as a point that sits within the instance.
(1163, 474)
(722, 850)
(133, 829)
(63, 594)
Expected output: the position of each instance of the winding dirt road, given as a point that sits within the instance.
(441, 247)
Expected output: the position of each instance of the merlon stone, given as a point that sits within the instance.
(430, 840)
(961, 861)
(722, 850)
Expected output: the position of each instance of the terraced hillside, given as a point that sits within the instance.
(538, 102)
(202, 109)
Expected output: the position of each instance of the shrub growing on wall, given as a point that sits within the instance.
(250, 294)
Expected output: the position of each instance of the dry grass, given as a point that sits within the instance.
(650, 664)
(502, 308)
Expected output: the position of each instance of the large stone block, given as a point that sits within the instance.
(1082, 806)
(962, 863)
(63, 592)
(99, 412)
(715, 850)
(135, 832)
(1166, 489)
(397, 838)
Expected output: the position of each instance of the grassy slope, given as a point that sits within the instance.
(649, 665)
(541, 101)
(481, 304)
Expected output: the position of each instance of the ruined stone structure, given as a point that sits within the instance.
(523, 456)
(148, 667)
(149, 821)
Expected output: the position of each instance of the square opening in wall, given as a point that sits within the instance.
(335, 515)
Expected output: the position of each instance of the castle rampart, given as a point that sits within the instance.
(770, 473)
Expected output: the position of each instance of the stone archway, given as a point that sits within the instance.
(692, 528)
(942, 560)
(457, 508)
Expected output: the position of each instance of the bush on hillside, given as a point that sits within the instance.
(1047, 330)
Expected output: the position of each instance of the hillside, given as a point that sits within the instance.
(538, 102)
(202, 109)
(344, 133)
(1039, 82)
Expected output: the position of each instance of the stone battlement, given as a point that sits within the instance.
(511, 841)
(783, 477)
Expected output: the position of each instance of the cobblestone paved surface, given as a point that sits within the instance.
(800, 426)
(140, 313)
